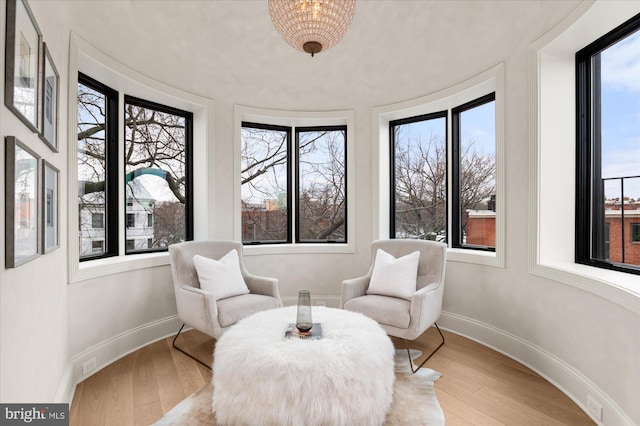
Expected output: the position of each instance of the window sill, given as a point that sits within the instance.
(113, 265)
(251, 250)
(618, 287)
(479, 257)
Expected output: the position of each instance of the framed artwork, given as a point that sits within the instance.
(50, 208)
(22, 205)
(23, 63)
(49, 106)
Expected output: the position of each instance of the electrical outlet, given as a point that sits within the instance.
(594, 407)
(88, 366)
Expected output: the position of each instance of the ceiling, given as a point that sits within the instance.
(394, 50)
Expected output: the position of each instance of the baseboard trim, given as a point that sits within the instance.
(114, 348)
(67, 387)
(562, 375)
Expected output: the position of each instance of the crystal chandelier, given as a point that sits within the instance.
(312, 26)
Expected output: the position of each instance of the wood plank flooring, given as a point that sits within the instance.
(479, 386)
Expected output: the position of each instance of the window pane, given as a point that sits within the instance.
(265, 184)
(97, 246)
(155, 167)
(97, 220)
(322, 185)
(635, 232)
(478, 176)
(91, 169)
(619, 112)
(420, 179)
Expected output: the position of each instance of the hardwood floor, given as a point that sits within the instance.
(478, 386)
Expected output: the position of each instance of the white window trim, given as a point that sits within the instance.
(85, 58)
(552, 144)
(489, 81)
(295, 119)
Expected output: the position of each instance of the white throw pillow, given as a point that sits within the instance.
(221, 277)
(394, 277)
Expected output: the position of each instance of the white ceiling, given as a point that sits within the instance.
(394, 50)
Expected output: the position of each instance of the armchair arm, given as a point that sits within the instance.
(426, 306)
(263, 285)
(198, 309)
(354, 287)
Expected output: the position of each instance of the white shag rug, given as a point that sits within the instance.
(414, 400)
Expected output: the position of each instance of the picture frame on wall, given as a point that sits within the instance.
(22, 206)
(49, 106)
(50, 207)
(23, 63)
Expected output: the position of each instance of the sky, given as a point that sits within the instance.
(621, 115)
(478, 126)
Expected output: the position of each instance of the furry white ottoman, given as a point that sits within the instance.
(262, 378)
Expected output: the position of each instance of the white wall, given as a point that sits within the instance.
(34, 353)
(394, 51)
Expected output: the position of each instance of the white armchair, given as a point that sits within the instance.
(199, 308)
(404, 318)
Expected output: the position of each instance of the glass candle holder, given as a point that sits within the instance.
(303, 318)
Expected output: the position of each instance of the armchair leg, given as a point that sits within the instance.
(414, 370)
(187, 354)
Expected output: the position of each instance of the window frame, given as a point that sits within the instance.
(287, 130)
(392, 165)
(111, 220)
(84, 57)
(491, 80)
(188, 154)
(113, 165)
(552, 143)
(292, 132)
(296, 118)
(452, 148)
(297, 130)
(589, 224)
(456, 213)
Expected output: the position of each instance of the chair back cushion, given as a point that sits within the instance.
(433, 256)
(394, 277)
(221, 277)
(181, 256)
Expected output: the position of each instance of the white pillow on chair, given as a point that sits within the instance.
(394, 277)
(221, 277)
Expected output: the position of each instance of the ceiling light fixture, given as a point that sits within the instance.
(312, 26)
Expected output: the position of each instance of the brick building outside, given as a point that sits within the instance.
(481, 230)
(613, 231)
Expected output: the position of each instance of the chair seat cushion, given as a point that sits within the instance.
(384, 310)
(233, 309)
